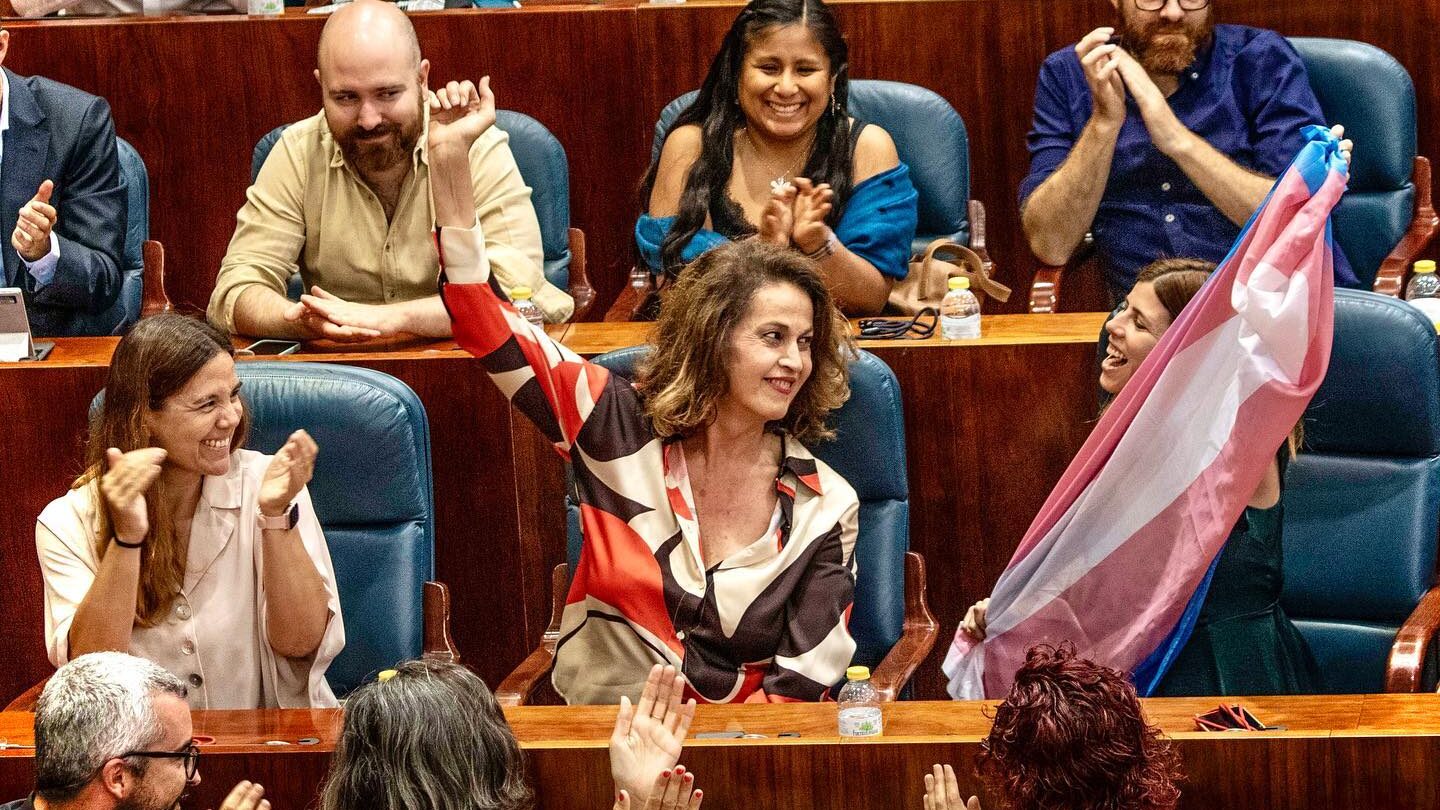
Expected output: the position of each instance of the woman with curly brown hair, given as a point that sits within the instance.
(1071, 736)
(714, 540)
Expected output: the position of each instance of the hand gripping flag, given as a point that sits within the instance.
(1119, 557)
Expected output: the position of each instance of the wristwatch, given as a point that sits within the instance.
(282, 522)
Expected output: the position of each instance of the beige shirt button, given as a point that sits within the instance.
(182, 611)
(188, 648)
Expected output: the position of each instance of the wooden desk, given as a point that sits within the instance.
(207, 88)
(1343, 752)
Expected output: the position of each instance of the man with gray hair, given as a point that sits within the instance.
(112, 732)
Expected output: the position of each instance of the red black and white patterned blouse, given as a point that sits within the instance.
(767, 623)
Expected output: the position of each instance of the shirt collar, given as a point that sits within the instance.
(800, 463)
(5, 105)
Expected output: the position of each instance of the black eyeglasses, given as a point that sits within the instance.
(1185, 5)
(191, 755)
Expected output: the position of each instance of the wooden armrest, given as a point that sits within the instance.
(1045, 290)
(152, 281)
(1406, 668)
(1390, 280)
(977, 236)
(517, 687)
(580, 288)
(916, 640)
(26, 701)
(438, 644)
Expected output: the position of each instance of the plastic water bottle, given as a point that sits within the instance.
(960, 311)
(266, 7)
(859, 705)
(1423, 291)
(520, 297)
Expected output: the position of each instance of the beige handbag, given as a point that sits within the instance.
(929, 278)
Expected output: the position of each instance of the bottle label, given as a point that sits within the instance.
(1429, 306)
(860, 721)
(966, 328)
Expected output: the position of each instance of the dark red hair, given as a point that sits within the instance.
(1071, 736)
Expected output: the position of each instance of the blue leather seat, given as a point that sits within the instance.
(930, 138)
(542, 163)
(121, 315)
(1362, 501)
(373, 493)
(1368, 91)
(869, 452)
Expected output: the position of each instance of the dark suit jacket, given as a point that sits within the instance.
(63, 134)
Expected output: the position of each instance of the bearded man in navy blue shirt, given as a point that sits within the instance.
(1163, 142)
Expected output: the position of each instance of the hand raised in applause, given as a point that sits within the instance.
(974, 621)
(942, 791)
(1107, 91)
(1166, 130)
(323, 315)
(246, 795)
(648, 737)
(31, 237)
(289, 471)
(127, 477)
(777, 218)
(460, 112)
(812, 204)
(672, 790)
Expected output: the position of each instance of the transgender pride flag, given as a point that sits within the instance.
(1119, 558)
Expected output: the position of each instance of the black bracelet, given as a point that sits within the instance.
(123, 544)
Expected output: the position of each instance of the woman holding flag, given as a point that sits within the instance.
(1158, 552)
(1242, 642)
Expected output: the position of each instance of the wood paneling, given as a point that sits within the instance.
(1344, 752)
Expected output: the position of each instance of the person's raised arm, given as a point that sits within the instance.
(554, 387)
(1057, 214)
(296, 599)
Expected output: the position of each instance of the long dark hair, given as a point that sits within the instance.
(156, 359)
(717, 111)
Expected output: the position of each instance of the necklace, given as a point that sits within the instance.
(782, 179)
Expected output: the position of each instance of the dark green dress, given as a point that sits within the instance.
(1243, 643)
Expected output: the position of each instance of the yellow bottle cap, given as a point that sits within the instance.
(860, 673)
(959, 283)
(518, 293)
(1425, 266)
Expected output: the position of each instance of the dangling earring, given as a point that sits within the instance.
(834, 105)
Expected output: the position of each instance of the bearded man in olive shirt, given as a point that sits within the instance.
(344, 198)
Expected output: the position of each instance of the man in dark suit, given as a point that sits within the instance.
(63, 202)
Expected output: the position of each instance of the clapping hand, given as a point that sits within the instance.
(942, 791)
(777, 219)
(1097, 61)
(460, 112)
(127, 477)
(31, 237)
(648, 737)
(812, 204)
(672, 790)
(246, 795)
(289, 471)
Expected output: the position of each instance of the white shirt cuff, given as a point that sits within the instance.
(463, 252)
(43, 268)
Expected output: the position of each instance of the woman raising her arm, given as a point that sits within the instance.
(714, 540)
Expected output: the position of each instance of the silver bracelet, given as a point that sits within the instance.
(827, 248)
